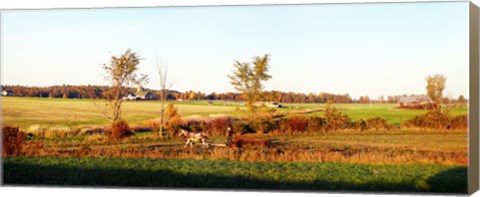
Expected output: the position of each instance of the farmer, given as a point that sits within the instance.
(229, 135)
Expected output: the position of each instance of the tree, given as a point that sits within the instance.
(192, 95)
(248, 80)
(334, 119)
(121, 73)
(461, 99)
(165, 85)
(381, 99)
(435, 87)
(364, 99)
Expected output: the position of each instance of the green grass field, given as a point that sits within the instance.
(233, 174)
(436, 141)
(24, 112)
(385, 111)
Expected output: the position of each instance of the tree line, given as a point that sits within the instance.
(95, 91)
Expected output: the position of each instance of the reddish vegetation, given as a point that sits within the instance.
(13, 141)
(437, 119)
(297, 123)
(419, 106)
(212, 126)
(119, 130)
(241, 141)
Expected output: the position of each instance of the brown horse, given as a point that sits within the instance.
(192, 138)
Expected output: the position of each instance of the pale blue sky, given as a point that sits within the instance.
(360, 49)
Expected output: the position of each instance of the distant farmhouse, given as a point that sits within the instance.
(268, 104)
(419, 101)
(7, 93)
(140, 94)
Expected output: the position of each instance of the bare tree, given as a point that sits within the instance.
(121, 73)
(165, 85)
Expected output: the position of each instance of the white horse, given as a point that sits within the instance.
(191, 138)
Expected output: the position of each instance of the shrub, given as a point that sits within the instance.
(264, 125)
(337, 122)
(433, 119)
(459, 122)
(300, 124)
(282, 125)
(199, 126)
(377, 124)
(425, 106)
(194, 125)
(212, 126)
(360, 125)
(218, 126)
(172, 120)
(242, 127)
(437, 119)
(315, 124)
(373, 123)
(13, 141)
(119, 130)
(334, 119)
(297, 124)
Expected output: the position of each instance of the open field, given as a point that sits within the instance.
(24, 112)
(229, 174)
(385, 111)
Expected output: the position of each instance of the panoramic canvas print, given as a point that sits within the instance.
(320, 97)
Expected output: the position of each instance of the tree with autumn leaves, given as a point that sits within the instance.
(248, 78)
(121, 73)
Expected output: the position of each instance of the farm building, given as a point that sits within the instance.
(130, 96)
(7, 93)
(268, 104)
(414, 101)
(141, 94)
(144, 95)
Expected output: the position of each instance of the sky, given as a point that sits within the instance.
(359, 49)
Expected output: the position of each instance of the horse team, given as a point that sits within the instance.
(191, 138)
(201, 137)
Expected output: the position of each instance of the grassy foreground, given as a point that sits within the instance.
(233, 174)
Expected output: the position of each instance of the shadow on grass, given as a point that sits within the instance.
(449, 181)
